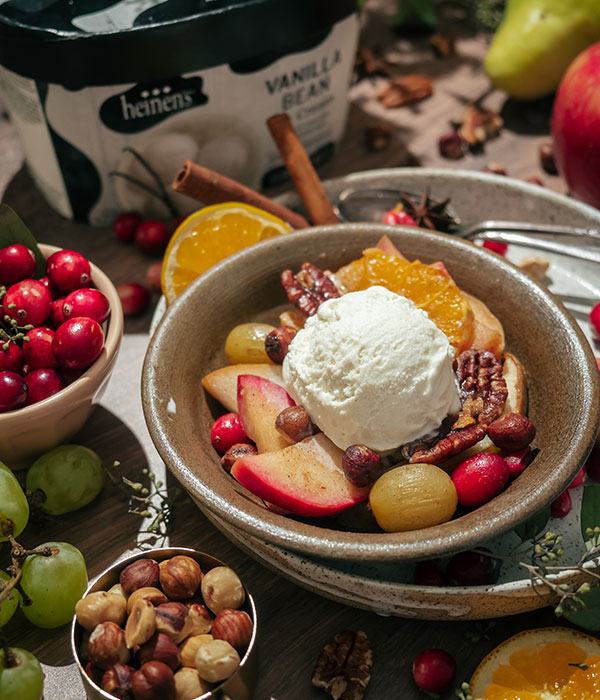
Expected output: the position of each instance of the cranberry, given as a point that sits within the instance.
(17, 262)
(152, 237)
(561, 507)
(595, 322)
(479, 478)
(517, 461)
(428, 573)
(434, 670)
(13, 391)
(68, 270)
(42, 383)
(37, 350)
(78, 342)
(226, 432)
(56, 312)
(496, 247)
(134, 298)
(11, 357)
(451, 145)
(32, 302)
(593, 463)
(472, 568)
(125, 225)
(398, 216)
(153, 276)
(86, 302)
(579, 479)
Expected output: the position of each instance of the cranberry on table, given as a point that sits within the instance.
(42, 383)
(134, 298)
(37, 348)
(125, 225)
(86, 302)
(152, 237)
(17, 262)
(428, 573)
(226, 431)
(27, 302)
(479, 478)
(561, 507)
(579, 479)
(78, 342)
(473, 568)
(595, 321)
(68, 270)
(11, 357)
(13, 391)
(434, 670)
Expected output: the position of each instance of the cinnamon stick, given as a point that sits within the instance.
(301, 170)
(209, 187)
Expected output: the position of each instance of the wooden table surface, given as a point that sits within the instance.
(294, 624)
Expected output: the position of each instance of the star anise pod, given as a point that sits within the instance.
(428, 213)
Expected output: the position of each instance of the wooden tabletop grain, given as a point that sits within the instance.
(294, 624)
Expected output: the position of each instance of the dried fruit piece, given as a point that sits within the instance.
(343, 668)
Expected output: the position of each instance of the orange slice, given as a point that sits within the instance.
(211, 234)
(552, 663)
(429, 286)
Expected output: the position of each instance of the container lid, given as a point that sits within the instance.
(99, 42)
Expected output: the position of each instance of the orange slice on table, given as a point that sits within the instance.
(552, 663)
(429, 286)
(211, 234)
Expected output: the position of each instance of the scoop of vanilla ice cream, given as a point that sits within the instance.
(372, 369)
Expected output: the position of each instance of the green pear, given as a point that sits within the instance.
(537, 41)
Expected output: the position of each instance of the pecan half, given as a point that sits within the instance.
(343, 668)
(479, 125)
(405, 90)
(454, 443)
(482, 388)
(309, 288)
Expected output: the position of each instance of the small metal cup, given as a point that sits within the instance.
(239, 686)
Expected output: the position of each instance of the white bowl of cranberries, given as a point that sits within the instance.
(59, 338)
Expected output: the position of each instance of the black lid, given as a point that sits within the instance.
(44, 39)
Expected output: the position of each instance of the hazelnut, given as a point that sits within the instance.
(173, 620)
(160, 647)
(216, 660)
(234, 626)
(107, 645)
(361, 465)
(140, 573)
(222, 588)
(100, 607)
(547, 158)
(180, 577)
(511, 432)
(141, 623)
(117, 589)
(189, 685)
(235, 452)
(200, 619)
(153, 681)
(117, 681)
(191, 646)
(277, 343)
(154, 595)
(294, 423)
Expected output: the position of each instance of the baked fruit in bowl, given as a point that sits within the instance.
(397, 377)
(59, 341)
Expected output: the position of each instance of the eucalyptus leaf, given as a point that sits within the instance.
(588, 617)
(534, 525)
(590, 509)
(13, 230)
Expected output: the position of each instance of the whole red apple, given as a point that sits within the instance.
(576, 126)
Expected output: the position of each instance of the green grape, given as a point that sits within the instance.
(8, 606)
(24, 680)
(70, 475)
(54, 584)
(14, 509)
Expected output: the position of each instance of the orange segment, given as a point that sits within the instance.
(543, 664)
(208, 236)
(430, 287)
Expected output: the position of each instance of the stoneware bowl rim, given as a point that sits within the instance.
(465, 532)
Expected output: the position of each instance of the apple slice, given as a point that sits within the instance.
(222, 383)
(304, 479)
(259, 402)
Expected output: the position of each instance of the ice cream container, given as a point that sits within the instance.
(109, 98)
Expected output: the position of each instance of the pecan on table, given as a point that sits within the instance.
(309, 288)
(405, 90)
(343, 668)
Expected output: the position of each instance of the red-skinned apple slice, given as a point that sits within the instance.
(222, 383)
(305, 478)
(259, 402)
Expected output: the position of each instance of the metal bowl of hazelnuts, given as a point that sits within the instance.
(166, 624)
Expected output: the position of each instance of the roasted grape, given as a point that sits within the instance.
(246, 343)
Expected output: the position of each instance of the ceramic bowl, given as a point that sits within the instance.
(238, 686)
(188, 344)
(29, 431)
